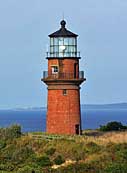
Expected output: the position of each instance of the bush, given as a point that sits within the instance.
(113, 126)
(43, 161)
(59, 160)
(50, 151)
(11, 132)
(116, 168)
(15, 131)
(6, 167)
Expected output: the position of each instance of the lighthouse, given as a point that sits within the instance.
(63, 80)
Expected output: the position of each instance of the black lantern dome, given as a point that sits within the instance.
(63, 32)
(63, 43)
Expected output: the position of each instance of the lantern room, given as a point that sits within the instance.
(63, 43)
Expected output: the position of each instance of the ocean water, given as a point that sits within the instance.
(35, 120)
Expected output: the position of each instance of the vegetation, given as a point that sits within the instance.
(59, 160)
(95, 152)
(113, 126)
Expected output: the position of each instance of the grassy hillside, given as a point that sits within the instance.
(93, 152)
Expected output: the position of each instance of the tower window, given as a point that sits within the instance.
(54, 69)
(64, 92)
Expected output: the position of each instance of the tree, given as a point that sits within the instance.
(113, 126)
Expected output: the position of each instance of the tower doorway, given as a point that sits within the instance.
(77, 130)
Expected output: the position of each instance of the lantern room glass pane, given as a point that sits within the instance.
(52, 41)
(75, 41)
(61, 41)
(51, 49)
(56, 49)
(66, 41)
(55, 41)
(71, 41)
(71, 48)
(67, 49)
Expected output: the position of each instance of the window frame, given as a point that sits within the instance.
(54, 69)
(64, 92)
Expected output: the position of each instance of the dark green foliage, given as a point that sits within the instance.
(15, 131)
(50, 151)
(43, 161)
(11, 132)
(59, 160)
(7, 167)
(116, 168)
(113, 126)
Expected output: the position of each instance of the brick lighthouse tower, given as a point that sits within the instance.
(63, 79)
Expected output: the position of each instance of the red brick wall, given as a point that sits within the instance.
(63, 111)
(65, 65)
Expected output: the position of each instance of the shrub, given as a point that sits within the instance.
(50, 151)
(113, 126)
(6, 167)
(11, 132)
(43, 161)
(15, 131)
(59, 160)
(116, 168)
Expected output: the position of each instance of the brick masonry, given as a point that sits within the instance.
(63, 110)
(64, 65)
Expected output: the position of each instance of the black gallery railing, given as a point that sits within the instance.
(59, 75)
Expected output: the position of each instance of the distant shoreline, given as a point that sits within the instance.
(87, 106)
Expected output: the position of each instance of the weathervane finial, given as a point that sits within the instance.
(63, 15)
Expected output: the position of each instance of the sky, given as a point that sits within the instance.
(24, 28)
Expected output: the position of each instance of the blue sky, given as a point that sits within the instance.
(24, 28)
